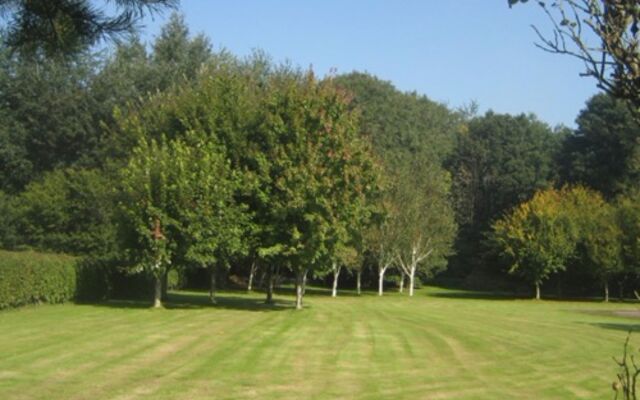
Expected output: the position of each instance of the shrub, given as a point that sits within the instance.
(30, 277)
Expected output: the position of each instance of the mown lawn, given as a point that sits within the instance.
(438, 345)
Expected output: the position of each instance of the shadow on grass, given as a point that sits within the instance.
(200, 300)
(475, 295)
(618, 326)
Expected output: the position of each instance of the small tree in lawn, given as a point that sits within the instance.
(425, 217)
(537, 237)
(148, 205)
(213, 220)
(381, 240)
(346, 256)
(600, 238)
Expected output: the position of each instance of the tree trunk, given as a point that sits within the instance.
(336, 274)
(304, 283)
(401, 282)
(606, 291)
(269, 299)
(157, 293)
(412, 280)
(212, 286)
(537, 290)
(165, 285)
(358, 280)
(381, 272)
(252, 272)
(300, 275)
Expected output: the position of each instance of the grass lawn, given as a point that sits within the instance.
(438, 345)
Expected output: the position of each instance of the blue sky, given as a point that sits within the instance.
(453, 51)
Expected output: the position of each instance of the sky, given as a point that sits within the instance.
(453, 51)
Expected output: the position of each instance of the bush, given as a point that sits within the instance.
(30, 278)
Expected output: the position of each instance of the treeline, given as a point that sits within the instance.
(510, 173)
(177, 160)
(185, 159)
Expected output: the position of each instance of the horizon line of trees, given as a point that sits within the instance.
(173, 156)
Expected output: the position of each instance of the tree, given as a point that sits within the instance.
(628, 218)
(400, 122)
(499, 161)
(382, 240)
(62, 27)
(68, 211)
(603, 34)
(537, 238)
(47, 117)
(149, 203)
(601, 241)
(212, 220)
(317, 166)
(604, 152)
(425, 219)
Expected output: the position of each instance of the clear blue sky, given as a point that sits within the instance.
(453, 51)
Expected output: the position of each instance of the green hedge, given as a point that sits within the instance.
(29, 277)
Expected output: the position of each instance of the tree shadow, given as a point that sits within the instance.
(630, 327)
(476, 295)
(200, 300)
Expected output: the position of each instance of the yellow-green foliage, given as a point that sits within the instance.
(29, 277)
(538, 236)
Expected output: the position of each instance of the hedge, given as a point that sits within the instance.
(30, 277)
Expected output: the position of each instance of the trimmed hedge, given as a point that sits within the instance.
(30, 277)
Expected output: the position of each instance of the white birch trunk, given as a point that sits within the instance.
(300, 278)
(381, 271)
(412, 277)
(358, 280)
(304, 283)
(537, 291)
(252, 273)
(336, 274)
(401, 290)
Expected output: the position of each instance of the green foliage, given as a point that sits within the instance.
(603, 153)
(69, 211)
(499, 161)
(600, 235)
(59, 28)
(213, 221)
(149, 199)
(48, 119)
(31, 278)
(9, 217)
(320, 173)
(398, 123)
(537, 237)
(628, 218)
(424, 217)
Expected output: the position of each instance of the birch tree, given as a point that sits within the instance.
(425, 219)
(381, 239)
